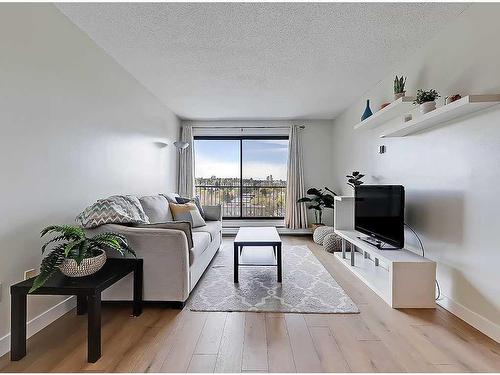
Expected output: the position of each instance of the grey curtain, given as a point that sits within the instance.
(186, 163)
(296, 213)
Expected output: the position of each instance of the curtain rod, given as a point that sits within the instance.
(245, 127)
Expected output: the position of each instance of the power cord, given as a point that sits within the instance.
(423, 254)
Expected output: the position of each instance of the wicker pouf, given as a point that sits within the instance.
(320, 233)
(332, 243)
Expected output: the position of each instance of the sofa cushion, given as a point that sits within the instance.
(195, 200)
(171, 197)
(211, 227)
(201, 240)
(157, 208)
(187, 212)
(176, 225)
(117, 209)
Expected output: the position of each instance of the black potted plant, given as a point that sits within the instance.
(75, 254)
(354, 179)
(318, 200)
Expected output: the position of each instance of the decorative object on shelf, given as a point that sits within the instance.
(368, 112)
(332, 243)
(394, 110)
(319, 200)
(399, 87)
(321, 232)
(467, 105)
(427, 100)
(407, 117)
(384, 105)
(354, 179)
(75, 254)
(452, 98)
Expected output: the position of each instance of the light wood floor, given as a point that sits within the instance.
(379, 339)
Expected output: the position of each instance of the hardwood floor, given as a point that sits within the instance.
(379, 339)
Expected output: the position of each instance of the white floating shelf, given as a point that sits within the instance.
(462, 107)
(396, 108)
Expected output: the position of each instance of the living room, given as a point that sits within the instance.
(182, 137)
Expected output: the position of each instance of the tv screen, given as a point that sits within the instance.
(379, 212)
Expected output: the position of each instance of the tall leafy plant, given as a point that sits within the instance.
(317, 200)
(354, 179)
(71, 242)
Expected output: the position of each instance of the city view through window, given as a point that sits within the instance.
(247, 176)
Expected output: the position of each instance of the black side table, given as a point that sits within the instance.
(88, 291)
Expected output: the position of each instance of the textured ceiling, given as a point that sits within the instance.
(260, 60)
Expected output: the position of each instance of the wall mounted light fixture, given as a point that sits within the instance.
(160, 144)
(181, 145)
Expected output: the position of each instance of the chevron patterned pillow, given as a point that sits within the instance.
(115, 209)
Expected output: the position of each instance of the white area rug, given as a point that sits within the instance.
(307, 286)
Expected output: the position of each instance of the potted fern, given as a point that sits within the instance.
(427, 100)
(399, 87)
(75, 254)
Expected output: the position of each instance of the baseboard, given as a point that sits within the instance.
(176, 305)
(41, 321)
(285, 231)
(479, 322)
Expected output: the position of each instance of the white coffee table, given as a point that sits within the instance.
(257, 236)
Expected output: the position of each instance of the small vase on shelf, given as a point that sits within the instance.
(427, 107)
(368, 112)
(399, 95)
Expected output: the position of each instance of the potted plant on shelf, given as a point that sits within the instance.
(426, 99)
(318, 200)
(399, 87)
(75, 254)
(354, 179)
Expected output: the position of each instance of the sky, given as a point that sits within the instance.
(221, 158)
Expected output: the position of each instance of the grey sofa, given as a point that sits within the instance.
(175, 255)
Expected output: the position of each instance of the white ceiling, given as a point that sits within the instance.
(260, 60)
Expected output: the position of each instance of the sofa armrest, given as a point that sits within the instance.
(166, 259)
(184, 226)
(213, 213)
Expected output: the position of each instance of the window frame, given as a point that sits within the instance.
(241, 138)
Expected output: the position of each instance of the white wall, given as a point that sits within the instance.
(451, 174)
(316, 145)
(75, 126)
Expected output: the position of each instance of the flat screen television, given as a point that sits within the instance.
(379, 213)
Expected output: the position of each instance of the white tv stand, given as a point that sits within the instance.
(401, 278)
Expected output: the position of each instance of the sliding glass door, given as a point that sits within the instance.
(246, 175)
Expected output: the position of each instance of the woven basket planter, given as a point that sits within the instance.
(320, 233)
(87, 267)
(332, 243)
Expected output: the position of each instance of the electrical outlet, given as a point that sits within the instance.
(30, 273)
